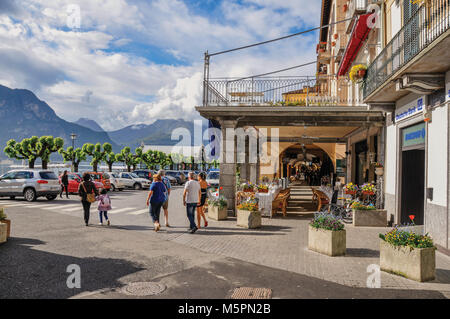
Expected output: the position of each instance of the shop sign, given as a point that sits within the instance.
(414, 135)
(410, 110)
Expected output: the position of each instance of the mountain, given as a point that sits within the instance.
(23, 115)
(158, 133)
(91, 124)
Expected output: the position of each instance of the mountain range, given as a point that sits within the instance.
(23, 115)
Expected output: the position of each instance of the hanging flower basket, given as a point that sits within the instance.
(358, 73)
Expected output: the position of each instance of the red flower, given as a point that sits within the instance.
(412, 217)
(221, 188)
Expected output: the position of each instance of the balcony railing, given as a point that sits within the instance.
(280, 91)
(426, 25)
(355, 7)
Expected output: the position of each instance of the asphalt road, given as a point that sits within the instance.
(47, 237)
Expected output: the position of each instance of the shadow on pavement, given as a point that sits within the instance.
(26, 271)
(362, 252)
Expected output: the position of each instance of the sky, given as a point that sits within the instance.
(124, 62)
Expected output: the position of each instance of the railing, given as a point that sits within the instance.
(354, 7)
(430, 21)
(281, 91)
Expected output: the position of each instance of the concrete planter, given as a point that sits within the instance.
(417, 264)
(3, 233)
(327, 242)
(217, 214)
(248, 219)
(370, 218)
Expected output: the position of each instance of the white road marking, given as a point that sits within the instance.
(73, 209)
(121, 210)
(42, 206)
(15, 204)
(65, 206)
(139, 212)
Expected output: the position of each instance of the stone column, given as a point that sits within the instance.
(254, 167)
(228, 164)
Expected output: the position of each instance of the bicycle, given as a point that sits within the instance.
(344, 212)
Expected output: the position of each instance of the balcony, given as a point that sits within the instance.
(354, 7)
(339, 48)
(420, 47)
(279, 92)
(323, 53)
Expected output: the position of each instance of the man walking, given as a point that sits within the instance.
(165, 206)
(191, 198)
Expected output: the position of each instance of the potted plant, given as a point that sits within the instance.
(217, 208)
(379, 169)
(345, 7)
(350, 188)
(368, 215)
(4, 219)
(248, 214)
(357, 73)
(368, 189)
(247, 187)
(405, 253)
(326, 235)
(262, 188)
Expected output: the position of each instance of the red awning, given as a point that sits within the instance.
(359, 35)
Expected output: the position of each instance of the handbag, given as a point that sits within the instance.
(89, 197)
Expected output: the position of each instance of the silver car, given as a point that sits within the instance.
(30, 183)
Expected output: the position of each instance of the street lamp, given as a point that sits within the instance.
(73, 137)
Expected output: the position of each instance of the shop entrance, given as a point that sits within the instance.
(413, 174)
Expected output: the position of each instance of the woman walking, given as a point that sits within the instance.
(64, 184)
(87, 192)
(201, 207)
(104, 205)
(156, 198)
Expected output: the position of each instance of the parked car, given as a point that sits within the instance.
(144, 173)
(75, 180)
(179, 176)
(102, 178)
(116, 182)
(131, 180)
(213, 179)
(30, 183)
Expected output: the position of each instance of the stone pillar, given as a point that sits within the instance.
(254, 167)
(228, 164)
(245, 167)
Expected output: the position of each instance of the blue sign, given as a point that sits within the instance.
(410, 111)
(414, 135)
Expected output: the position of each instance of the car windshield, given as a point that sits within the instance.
(48, 175)
(105, 176)
(134, 175)
(214, 175)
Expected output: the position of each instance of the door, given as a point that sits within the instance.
(6, 184)
(127, 180)
(413, 186)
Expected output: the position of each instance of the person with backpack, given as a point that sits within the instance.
(104, 205)
(165, 206)
(87, 192)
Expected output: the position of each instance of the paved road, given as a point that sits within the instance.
(50, 236)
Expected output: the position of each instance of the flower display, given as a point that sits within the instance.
(220, 202)
(350, 188)
(404, 237)
(249, 206)
(357, 72)
(2, 214)
(378, 165)
(263, 188)
(369, 189)
(360, 206)
(247, 187)
(326, 221)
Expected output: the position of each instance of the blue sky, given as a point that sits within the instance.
(135, 61)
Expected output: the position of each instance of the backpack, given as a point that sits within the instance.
(106, 201)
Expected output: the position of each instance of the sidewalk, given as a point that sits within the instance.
(282, 243)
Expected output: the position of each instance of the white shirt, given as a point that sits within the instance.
(193, 188)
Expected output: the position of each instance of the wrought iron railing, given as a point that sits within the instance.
(281, 91)
(430, 21)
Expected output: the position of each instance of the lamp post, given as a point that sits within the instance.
(73, 137)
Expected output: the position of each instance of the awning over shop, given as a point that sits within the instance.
(359, 35)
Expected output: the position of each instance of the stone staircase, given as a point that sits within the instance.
(300, 200)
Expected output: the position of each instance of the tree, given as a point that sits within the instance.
(33, 148)
(110, 159)
(147, 159)
(127, 157)
(77, 156)
(176, 159)
(97, 152)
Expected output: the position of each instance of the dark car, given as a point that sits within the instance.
(144, 173)
(180, 177)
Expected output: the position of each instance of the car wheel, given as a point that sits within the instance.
(113, 188)
(120, 189)
(30, 195)
(12, 197)
(51, 197)
(137, 186)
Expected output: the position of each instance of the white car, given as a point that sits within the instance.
(131, 180)
(213, 179)
(117, 183)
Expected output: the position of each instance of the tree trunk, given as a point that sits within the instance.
(134, 167)
(75, 167)
(44, 164)
(110, 167)
(128, 168)
(31, 163)
(95, 167)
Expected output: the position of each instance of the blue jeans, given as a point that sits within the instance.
(155, 210)
(190, 209)
(101, 213)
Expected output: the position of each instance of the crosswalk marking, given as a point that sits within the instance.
(121, 210)
(79, 207)
(13, 204)
(45, 206)
(139, 212)
(65, 206)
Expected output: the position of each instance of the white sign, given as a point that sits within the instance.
(410, 109)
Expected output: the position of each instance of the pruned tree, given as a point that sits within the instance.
(97, 153)
(126, 156)
(75, 155)
(49, 145)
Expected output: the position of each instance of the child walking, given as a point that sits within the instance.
(104, 205)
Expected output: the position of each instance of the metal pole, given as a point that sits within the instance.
(205, 79)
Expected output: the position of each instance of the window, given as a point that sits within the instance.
(23, 175)
(9, 175)
(48, 175)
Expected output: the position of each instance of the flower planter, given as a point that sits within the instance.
(3, 233)
(263, 190)
(350, 192)
(248, 219)
(370, 218)
(214, 212)
(417, 264)
(368, 193)
(327, 242)
(8, 225)
(379, 171)
(248, 190)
